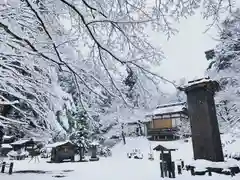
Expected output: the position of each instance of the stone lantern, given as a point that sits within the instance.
(93, 149)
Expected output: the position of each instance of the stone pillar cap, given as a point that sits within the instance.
(201, 83)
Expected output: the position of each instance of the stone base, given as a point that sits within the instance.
(94, 159)
(229, 171)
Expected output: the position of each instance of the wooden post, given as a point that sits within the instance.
(165, 168)
(10, 168)
(192, 171)
(169, 172)
(3, 167)
(209, 172)
(179, 169)
(123, 135)
(169, 164)
(232, 173)
(173, 170)
(161, 156)
(170, 156)
(182, 163)
(81, 153)
(161, 169)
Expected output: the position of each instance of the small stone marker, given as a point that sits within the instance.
(94, 153)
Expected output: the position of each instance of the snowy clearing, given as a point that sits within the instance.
(110, 168)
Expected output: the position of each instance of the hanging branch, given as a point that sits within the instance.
(57, 52)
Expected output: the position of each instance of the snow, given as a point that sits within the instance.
(203, 164)
(203, 80)
(169, 108)
(19, 142)
(196, 81)
(8, 102)
(117, 167)
(57, 144)
(12, 120)
(20, 152)
(110, 142)
(231, 145)
(94, 143)
(7, 137)
(114, 131)
(6, 146)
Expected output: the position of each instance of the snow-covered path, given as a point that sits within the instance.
(118, 167)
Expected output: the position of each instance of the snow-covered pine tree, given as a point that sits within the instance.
(80, 134)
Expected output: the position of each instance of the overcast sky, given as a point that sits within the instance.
(185, 51)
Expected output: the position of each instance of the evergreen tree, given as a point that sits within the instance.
(80, 134)
(225, 68)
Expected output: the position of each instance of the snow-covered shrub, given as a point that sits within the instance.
(150, 156)
(18, 155)
(136, 154)
(105, 151)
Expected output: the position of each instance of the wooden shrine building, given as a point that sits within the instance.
(163, 123)
(62, 151)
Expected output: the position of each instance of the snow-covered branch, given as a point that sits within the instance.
(8, 103)
(56, 55)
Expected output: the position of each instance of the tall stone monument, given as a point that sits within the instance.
(203, 120)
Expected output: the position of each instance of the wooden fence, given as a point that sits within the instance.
(5, 165)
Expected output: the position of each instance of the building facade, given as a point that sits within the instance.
(165, 121)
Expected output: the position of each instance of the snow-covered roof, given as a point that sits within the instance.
(56, 144)
(169, 108)
(165, 147)
(20, 142)
(198, 81)
(133, 122)
(6, 146)
(7, 137)
(147, 118)
(17, 153)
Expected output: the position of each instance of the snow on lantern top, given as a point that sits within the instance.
(201, 83)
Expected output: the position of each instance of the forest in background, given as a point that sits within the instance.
(225, 68)
(73, 65)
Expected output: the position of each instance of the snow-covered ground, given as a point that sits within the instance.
(117, 167)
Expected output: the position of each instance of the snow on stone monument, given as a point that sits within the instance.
(204, 125)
